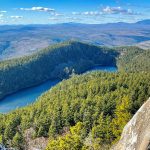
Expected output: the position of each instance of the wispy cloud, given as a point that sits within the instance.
(2, 21)
(107, 11)
(42, 9)
(3, 11)
(72, 18)
(92, 13)
(53, 19)
(101, 14)
(76, 13)
(58, 14)
(88, 13)
(117, 10)
(16, 17)
(1, 15)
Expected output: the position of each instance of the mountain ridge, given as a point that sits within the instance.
(58, 61)
(33, 38)
(144, 21)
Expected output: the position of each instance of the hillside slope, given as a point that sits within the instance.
(62, 60)
(133, 59)
(57, 61)
(92, 107)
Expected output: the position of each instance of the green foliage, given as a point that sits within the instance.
(133, 59)
(102, 130)
(122, 115)
(94, 107)
(71, 141)
(102, 103)
(55, 62)
(18, 141)
(1, 139)
(11, 127)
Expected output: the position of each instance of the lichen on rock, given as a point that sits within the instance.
(136, 134)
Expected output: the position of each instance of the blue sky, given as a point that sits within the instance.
(82, 11)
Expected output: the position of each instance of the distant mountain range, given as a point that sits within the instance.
(20, 40)
(144, 22)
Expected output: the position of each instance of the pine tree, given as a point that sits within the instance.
(122, 116)
(18, 141)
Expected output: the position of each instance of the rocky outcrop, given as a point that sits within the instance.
(34, 144)
(136, 134)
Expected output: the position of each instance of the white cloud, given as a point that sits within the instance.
(53, 19)
(107, 10)
(76, 13)
(1, 15)
(71, 18)
(3, 11)
(42, 9)
(58, 14)
(88, 13)
(2, 21)
(16, 17)
(92, 13)
(117, 10)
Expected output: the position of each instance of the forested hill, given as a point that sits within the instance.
(85, 112)
(82, 113)
(133, 59)
(57, 61)
(61, 60)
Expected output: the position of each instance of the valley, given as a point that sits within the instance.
(101, 88)
(33, 38)
(75, 75)
(55, 62)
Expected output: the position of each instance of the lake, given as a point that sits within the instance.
(29, 95)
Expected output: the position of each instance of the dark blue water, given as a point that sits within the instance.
(104, 69)
(28, 96)
(24, 97)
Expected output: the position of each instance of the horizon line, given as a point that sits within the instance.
(75, 23)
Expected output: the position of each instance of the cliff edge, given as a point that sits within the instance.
(136, 134)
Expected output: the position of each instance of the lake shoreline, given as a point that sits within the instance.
(52, 79)
(29, 95)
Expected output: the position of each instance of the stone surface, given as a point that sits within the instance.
(136, 134)
(34, 144)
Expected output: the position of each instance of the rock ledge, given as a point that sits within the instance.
(136, 134)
